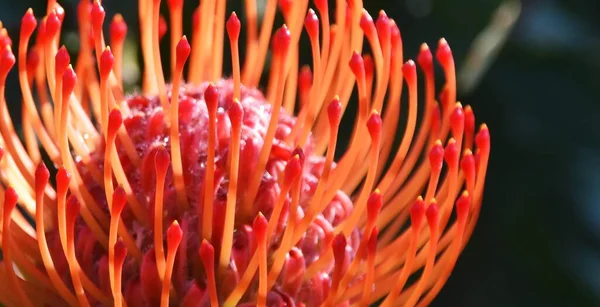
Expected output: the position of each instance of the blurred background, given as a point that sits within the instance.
(530, 70)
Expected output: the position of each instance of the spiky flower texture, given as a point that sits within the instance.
(209, 191)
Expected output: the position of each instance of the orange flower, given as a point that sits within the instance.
(210, 191)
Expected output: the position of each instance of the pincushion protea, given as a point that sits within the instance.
(207, 191)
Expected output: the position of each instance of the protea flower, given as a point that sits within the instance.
(210, 191)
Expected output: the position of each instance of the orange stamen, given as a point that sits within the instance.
(118, 33)
(72, 211)
(281, 46)
(417, 212)
(292, 171)
(175, 14)
(207, 255)
(28, 24)
(236, 115)
(371, 250)
(339, 251)
(41, 181)
(161, 164)
(233, 31)
(154, 10)
(182, 52)
(174, 236)
(120, 252)
(462, 213)
(211, 97)
(10, 201)
(432, 219)
(259, 228)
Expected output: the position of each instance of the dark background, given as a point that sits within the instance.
(537, 240)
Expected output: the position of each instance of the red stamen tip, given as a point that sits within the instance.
(282, 40)
(463, 205)
(366, 23)
(259, 227)
(162, 159)
(305, 78)
(236, 113)
(5, 40)
(119, 200)
(211, 97)
(162, 27)
(334, 111)
(118, 29)
(311, 23)
(321, 5)
(409, 70)
(98, 14)
(425, 59)
(107, 60)
(174, 4)
(233, 26)
(469, 120)
(383, 26)
(482, 139)
(207, 254)
(457, 119)
(451, 154)
(196, 18)
(183, 50)
(69, 80)
(300, 153)
(174, 234)
(10, 201)
(374, 124)
(357, 64)
(52, 25)
(41, 177)
(444, 54)
(293, 169)
(468, 162)
(115, 120)
(432, 214)
(417, 212)
(61, 60)
(286, 7)
(63, 178)
(436, 156)
(7, 61)
(339, 248)
(374, 204)
(28, 23)
(60, 12)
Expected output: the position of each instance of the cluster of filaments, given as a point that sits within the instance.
(401, 265)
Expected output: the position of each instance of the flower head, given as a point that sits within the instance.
(208, 190)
